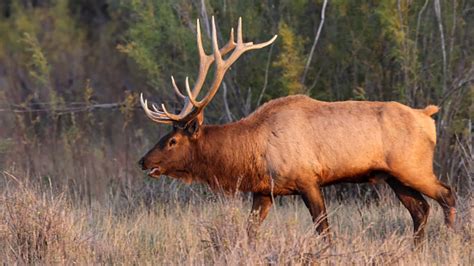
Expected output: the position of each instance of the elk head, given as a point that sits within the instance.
(173, 153)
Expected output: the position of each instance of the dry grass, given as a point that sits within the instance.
(38, 225)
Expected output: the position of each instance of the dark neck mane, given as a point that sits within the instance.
(229, 157)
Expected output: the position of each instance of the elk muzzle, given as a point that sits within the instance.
(154, 171)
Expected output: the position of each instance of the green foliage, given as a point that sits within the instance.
(290, 60)
(155, 38)
(127, 108)
(40, 70)
(38, 67)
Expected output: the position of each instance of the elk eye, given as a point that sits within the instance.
(172, 142)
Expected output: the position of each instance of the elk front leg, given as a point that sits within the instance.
(314, 201)
(260, 208)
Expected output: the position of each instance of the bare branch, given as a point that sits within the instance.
(205, 17)
(74, 107)
(266, 76)
(418, 21)
(226, 104)
(458, 84)
(452, 37)
(437, 7)
(316, 39)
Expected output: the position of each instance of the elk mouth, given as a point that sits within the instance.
(154, 172)
(158, 171)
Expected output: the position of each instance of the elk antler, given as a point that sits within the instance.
(188, 113)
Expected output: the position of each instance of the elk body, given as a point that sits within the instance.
(295, 145)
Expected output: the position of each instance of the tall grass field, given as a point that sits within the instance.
(191, 226)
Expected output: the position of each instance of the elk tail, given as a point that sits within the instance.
(430, 110)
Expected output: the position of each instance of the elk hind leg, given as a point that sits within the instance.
(447, 200)
(430, 186)
(415, 204)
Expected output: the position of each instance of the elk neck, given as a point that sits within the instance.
(230, 157)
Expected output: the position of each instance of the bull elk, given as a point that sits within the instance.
(296, 145)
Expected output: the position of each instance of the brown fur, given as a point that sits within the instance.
(295, 145)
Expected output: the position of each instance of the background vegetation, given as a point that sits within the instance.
(71, 129)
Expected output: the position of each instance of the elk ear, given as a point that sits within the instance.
(194, 126)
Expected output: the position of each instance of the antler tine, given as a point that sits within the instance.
(153, 115)
(170, 115)
(176, 88)
(252, 46)
(230, 45)
(239, 32)
(215, 45)
(190, 94)
(202, 54)
(156, 108)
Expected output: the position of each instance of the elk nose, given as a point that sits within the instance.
(141, 163)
